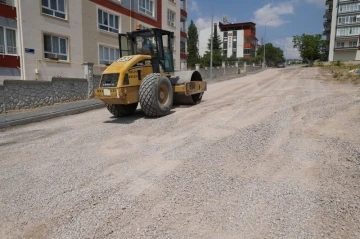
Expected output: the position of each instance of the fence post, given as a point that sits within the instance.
(245, 66)
(237, 67)
(197, 67)
(89, 75)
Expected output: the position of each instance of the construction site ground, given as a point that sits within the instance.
(268, 155)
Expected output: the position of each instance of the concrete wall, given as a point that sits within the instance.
(341, 55)
(33, 24)
(229, 70)
(20, 94)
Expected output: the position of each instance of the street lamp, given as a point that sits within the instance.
(264, 42)
(285, 47)
(212, 39)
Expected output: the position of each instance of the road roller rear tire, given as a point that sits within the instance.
(122, 110)
(156, 95)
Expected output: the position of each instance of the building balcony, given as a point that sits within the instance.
(329, 3)
(7, 9)
(8, 50)
(345, 48)
(183, 34)
(348, 37)
(8, 2)
(327, 15)
(327, 23)
(10, 61)
(183, 13)
(349, 13)
(326, 31)
(183, 55)
(183, 5)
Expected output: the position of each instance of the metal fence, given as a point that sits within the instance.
(11, 50)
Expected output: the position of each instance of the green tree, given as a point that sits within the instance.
(217, 58)
(273, 55)
(193, 50)
(216, 41)
(217, 51)
(309, 46)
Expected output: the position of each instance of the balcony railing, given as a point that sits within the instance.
(345, 47)
(8, 2)
(8, 50)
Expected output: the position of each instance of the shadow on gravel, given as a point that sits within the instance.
(139, 114)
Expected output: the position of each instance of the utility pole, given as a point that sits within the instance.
(212, 39)
(264, 61)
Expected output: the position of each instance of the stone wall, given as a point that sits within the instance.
(96, 80)
(2, 99)
(25, 94)
(69, 89)
(20, 94)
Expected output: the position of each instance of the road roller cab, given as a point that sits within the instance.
(145, 74)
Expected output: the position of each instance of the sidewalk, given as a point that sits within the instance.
(20, 117)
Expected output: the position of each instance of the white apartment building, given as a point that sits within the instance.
(40, 39)
(239, 39)
(342, 29)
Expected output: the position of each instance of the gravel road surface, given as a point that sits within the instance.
(270, 155)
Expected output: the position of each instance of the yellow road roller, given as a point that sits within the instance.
(144, 73)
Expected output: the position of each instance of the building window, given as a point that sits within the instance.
(7, 41)
(353, 7)
(147, 7)
(340, 44)
(182, 47)
(54, 8)
(55, 47)
(108, 55)
(171, 18)
(108, 22)
(247, 51)
(353, 44)
(349, 19)
(348, 31)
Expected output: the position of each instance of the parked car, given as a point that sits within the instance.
(281, 65)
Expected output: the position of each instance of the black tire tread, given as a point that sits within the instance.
(122, 110)
(147, 96)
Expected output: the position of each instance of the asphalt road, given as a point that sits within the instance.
(269, 155)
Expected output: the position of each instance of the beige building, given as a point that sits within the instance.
(41, 39)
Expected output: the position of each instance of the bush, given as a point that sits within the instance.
(338, 63)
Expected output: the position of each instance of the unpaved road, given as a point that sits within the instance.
(274, 154)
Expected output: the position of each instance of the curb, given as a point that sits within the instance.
(46, 116)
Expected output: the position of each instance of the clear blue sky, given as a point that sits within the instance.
(290, 18)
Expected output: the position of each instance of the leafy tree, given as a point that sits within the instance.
(193, 50)
(217, 51)
(273, 55)
(217, 58)
(309, 46)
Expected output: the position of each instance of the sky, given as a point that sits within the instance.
(289, 18)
